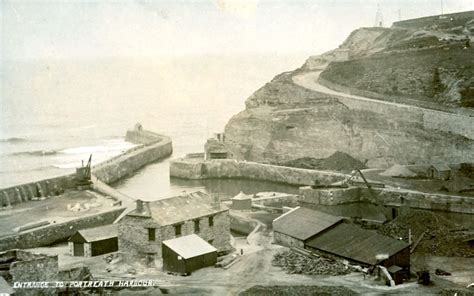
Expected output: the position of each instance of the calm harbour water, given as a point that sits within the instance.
(57, 112)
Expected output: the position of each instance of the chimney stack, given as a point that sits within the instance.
(139, 206)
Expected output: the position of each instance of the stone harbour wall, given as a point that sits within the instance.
(388, 197)
(125, 164)
(53, 233)
(234, 169)
(152, 148)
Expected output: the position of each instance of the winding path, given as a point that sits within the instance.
(310, 81)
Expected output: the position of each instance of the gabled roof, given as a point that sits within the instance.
(181, 208)
(356, 244)
(304, 223)
(189, 246)
(95, 234)
(441, 167)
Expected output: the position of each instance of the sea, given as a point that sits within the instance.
(55, 113)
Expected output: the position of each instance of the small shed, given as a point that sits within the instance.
(439, 171)
(297, 226)
(187, 253)
(242, 201)
(94, 241)
(397, 273)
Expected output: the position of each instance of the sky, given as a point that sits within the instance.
(35, 29)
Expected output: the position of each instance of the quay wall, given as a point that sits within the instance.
(234, 169)
(125, 164)
(53, 233)
(151, 148)
(388, 197)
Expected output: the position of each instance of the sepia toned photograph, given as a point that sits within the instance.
(237, 147)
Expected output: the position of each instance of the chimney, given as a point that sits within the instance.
(139, 206)
(216, 203)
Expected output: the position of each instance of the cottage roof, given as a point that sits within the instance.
(304, 223)
(189, 246)
(356, 244)
(95, 234)
(241, 196)
(182, 208)
(441, 167)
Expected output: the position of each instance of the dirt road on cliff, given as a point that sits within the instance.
(310, 81)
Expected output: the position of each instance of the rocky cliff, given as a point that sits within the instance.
(284, 121)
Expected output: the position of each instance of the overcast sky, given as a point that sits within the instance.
(75, 28)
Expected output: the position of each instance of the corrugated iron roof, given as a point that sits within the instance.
(97, 233)
(189, 246)
(303, 223)
(182, 208)
(355, 243)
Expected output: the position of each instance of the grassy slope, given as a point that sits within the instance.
(411, 74)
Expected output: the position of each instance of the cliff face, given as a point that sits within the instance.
(284, 121)
(324, 124)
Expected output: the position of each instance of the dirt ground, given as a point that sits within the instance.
(254, 269)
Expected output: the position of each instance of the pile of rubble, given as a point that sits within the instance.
(294, 263)
(440, 236)
(297, 290)
(339, 161)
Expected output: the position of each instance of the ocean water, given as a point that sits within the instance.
(55, 113)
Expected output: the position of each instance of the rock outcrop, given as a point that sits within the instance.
(284, 121)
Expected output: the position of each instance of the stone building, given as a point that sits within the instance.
(142, 231)
(215, 148)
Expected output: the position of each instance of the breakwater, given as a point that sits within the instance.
(151, 147)
(388, 197)
(188, 168)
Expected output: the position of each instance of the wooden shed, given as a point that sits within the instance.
(94, 241)
(439, 171)
(296, 227)
(242, 202)
(187, 253)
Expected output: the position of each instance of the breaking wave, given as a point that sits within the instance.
(13, 140)
(36, 153)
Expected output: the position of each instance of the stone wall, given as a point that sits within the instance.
(57, 232)
(122, 166)
(153, 147)
(34, 268)
(242, 224)
(133, 234)
(43, 188)
(285, 240)
(234, 169)
(388, 197)
(445, 119)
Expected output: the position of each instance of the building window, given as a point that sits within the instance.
(151, 234)
(177, 229)
(211, 221)
(196, 226)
